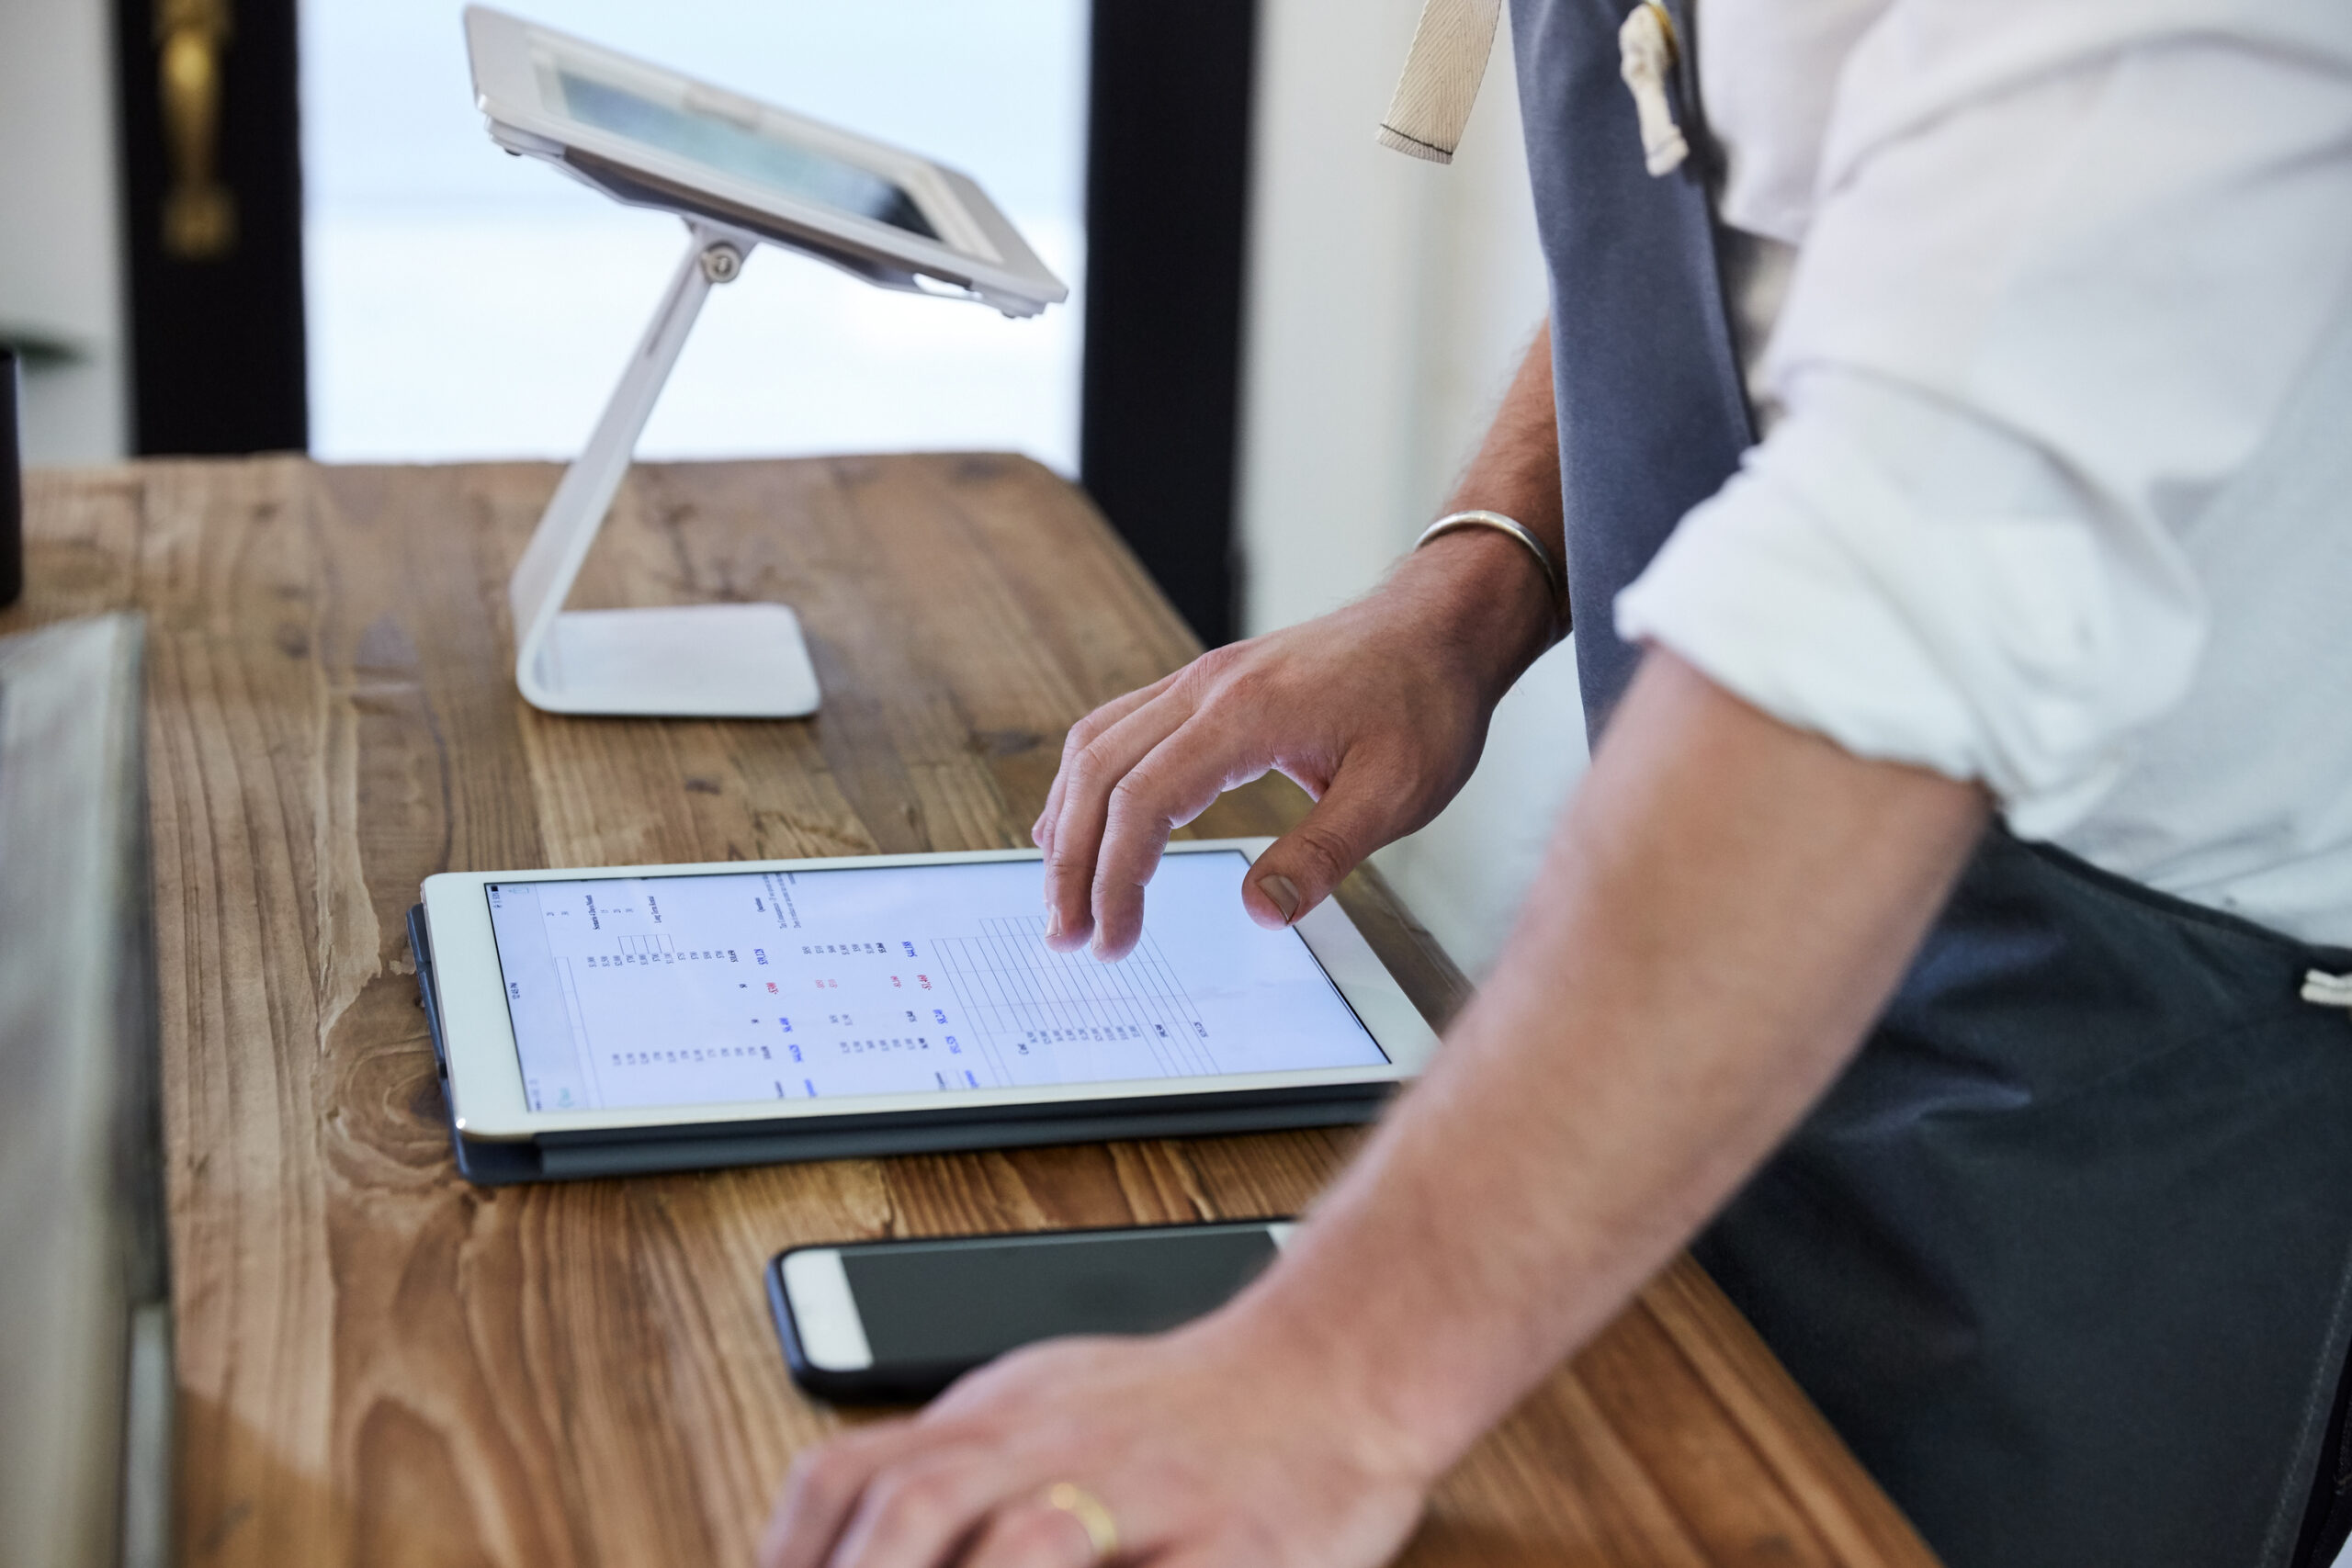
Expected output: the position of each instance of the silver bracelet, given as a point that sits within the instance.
(1556, 578)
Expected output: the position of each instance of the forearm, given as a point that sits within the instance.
(1481, 583)
(1516, 470)
(1723, 911)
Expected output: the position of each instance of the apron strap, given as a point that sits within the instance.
(1441, 77)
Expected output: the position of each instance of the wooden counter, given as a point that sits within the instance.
(380, 1364)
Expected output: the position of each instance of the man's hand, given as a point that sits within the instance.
(1293, 1477)
(1378, 710)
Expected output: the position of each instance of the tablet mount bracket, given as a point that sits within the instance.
(688, 661)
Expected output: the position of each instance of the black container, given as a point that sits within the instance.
(11, 487)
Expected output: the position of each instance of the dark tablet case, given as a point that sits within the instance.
(566, 1157)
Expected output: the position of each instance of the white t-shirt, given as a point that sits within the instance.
(2057, 488)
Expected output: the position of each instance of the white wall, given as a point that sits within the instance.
(1389, 300)
(61, 275)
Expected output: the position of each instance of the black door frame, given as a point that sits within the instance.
(1167, 211)
(215, 280)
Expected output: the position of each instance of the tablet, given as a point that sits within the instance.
(646, 135)
(653, 1017)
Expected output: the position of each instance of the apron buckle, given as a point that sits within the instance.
(1646, 49)
(2322, 989)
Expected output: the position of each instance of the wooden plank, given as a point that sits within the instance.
(382, 1365)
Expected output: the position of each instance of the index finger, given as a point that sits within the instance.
(1167, 788)
(1088, 779)
(1041, 833)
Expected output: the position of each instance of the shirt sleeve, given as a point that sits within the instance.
(2065, 264)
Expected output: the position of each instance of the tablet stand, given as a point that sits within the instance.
(690, 662)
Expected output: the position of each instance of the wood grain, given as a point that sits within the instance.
(380, 1365)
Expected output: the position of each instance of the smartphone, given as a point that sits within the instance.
(886, 1321)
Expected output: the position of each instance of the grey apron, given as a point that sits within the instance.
(2066, 1254)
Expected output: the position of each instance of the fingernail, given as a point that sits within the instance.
(1285, 895)
(1053, 922)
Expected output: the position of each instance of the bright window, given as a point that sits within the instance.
(464, 304)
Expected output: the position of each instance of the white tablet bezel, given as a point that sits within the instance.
(485, 1082)
(983, 253)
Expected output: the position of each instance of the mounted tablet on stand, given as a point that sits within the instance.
(739, 173)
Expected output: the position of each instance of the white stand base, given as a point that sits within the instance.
(696, 661)
(690, 661)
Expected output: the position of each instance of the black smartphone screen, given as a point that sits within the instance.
(932, 1310)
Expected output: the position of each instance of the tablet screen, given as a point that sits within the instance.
(725, 988)
(796, 170)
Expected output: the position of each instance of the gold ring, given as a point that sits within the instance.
(1101, 1530)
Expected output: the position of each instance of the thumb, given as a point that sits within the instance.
(1300, 869)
